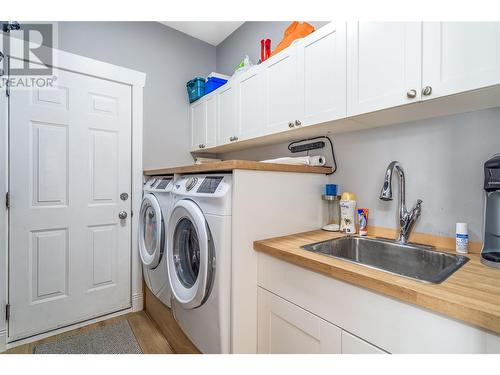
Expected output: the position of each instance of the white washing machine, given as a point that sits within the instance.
(153, 220)
(199, 259)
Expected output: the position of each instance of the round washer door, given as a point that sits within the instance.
(151, 232)
(190, 255)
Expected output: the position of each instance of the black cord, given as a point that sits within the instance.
(334, 167)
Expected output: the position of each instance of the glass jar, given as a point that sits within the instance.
(332, 220)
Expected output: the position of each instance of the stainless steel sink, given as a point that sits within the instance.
(408, 260)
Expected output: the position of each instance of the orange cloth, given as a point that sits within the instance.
(295, 30)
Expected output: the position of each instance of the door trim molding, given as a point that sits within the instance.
(136, 80)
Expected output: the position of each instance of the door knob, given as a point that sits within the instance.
(412, 94)
(123, 196)
(427, 90)
(291, 124)
(297, 123)
(122, 215)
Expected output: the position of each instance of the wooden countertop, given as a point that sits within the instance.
(471, 294)
(229, 165)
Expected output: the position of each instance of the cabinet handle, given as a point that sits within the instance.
(201, 145)
(291, 124)
(412, 94)
(297, 123)
(427, 90)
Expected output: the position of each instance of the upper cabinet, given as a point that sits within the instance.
(321, 78)
(226, 113)
(459, 56)
(250, 104)
(203, 123)
(345, 70)
(384, 65)
(280, 90)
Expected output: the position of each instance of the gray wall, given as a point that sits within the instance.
(246, 41)
(443, 161)
(168, 57)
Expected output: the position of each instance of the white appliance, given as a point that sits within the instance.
(199, 259)
(153, 220)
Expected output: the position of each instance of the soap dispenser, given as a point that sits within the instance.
(490, 253)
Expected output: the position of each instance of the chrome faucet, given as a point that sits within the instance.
(406, 218)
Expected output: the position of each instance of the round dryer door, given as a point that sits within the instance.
(191, 255)
(151, 232)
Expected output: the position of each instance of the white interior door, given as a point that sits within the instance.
(70, 159)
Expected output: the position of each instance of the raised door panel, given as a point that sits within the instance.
(322, 75)
(198, 119)
(211, 127)
(460, 56)
(354, 345)
(284, 328)
(250, 104)
(383, 65)
(226, 113)
(280, 90)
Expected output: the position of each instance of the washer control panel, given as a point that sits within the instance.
(203, 185)
(210, 184)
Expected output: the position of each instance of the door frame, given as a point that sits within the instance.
(136, 81)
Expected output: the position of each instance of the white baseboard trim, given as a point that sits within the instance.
(137, 302)
(64, 329)
(3, 341)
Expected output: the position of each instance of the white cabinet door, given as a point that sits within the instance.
(460, 56)
(250, 104)
(383, 65)
(354, 345)
(226, 113)
(285, 328)
(281, 90)
(198, 120)
(322, 75)
(211, 128)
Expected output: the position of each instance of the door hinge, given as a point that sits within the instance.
(7, 88)
(7, 200)
(7, 312)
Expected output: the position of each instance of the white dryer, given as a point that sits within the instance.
(199, 259)
(153, 219)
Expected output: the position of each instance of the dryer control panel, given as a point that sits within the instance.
(209, 184)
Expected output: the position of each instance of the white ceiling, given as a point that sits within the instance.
(210, 32)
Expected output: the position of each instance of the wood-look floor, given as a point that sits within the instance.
(148, 336)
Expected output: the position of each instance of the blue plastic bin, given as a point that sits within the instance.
(195, 88)
(213, 83)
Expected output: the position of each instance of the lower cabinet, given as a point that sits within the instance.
(354, 345)
(285, 328)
